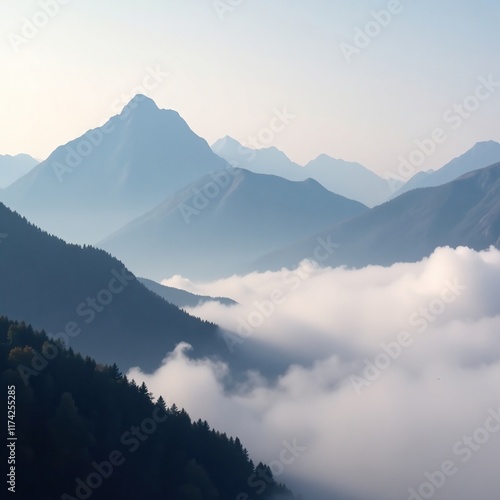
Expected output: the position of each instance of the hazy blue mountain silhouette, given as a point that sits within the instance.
(261, 161)
(205, 237)
(13, 168)
(82, 192)
(47, 282)
(463, 212)
(181, 298)
(348, 179)
(481, 155)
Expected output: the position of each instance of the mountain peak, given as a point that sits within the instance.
(485, 144)
(225, 142)
(228, 138)
(323, 157)
(140, 101)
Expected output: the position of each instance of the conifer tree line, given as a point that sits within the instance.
(84, 431)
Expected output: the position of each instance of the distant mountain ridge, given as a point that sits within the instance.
(220, 224)
(347, 179)
(13, 168)
(464, 212)
(181, 298)
(91, 186)
(352, 180)
(270, 160)
(483, 154)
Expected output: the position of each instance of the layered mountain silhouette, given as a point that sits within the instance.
(352, 180)
(181, 298)
(223, 222)
(96, 183)
(91, 298)
(481, 155)
(348, 179)
(14, 167)
(464, 212)
(261, 161)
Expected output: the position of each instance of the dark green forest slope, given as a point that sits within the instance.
(84, 431)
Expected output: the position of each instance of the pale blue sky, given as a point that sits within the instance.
(227, 76)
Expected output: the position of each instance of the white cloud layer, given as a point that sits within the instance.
(396, 375)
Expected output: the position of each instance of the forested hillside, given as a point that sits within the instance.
(84, 431)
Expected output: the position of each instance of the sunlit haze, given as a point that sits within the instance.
(226, 69)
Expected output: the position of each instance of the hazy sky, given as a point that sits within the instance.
(227, 71)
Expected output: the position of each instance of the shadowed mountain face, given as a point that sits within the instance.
(348, 179)
(181, 298)
(90, 299)
(483, 154)
(14, 167)
(465, 212)
(222, 223)
(94, 184)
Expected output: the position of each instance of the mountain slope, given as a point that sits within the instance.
(181, 298)
(14, 167)
(483, 154)
(91, 299)
(84, 430)
(214, 228)
(100, 181)
(410, 227)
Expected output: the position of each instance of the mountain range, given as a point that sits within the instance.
(96, 306)
(261, 161)
(483, 154)
(13, 168)
(222, 223)
(464, 212)
(154, 194)
(96, 183)
(349, 179)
